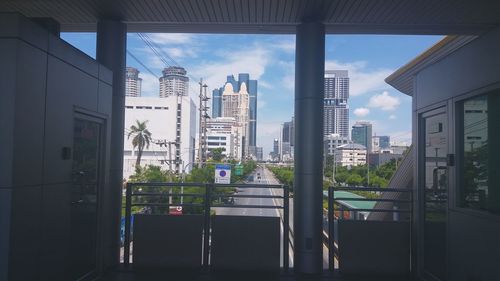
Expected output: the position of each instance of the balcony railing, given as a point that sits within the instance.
(360, 234)
(157, 200)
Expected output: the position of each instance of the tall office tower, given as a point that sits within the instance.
(251, 90)
(174, 82)
(362, 134)
(217, 103)
(287, 135)
(336, 108)
(236, 105)
(276, 149)
(133, 83)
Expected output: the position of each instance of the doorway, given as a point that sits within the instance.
(87, 150)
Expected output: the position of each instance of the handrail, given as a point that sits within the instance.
(208, 197)
(332, 202)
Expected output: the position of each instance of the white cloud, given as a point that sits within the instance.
(171, 38)
(179, 53)
(361, 80)
(392, 116)
(150, 85)
(289, 82)
(384, 101)
(261, 103)
(401, 137)
(265, 84)
(285, 46)
(361, 112)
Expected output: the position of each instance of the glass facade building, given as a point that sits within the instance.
(252, 93)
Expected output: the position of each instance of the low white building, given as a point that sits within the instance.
(170, 120)
(220, 140)
(350, 155)
(332, 141)
(226, 133)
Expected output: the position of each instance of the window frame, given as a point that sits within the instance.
(458, 134)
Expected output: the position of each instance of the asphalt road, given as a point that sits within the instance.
(267, 177)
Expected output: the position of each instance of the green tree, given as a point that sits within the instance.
(354, 179)
(218, 154)
(141, 138)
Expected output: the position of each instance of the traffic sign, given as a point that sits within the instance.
(223, 174)
(175, 210)
(238, 170)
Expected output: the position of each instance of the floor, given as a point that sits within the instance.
(126, 275)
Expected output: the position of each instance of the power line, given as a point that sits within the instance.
(140, 62)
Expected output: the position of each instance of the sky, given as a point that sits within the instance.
(270, 59)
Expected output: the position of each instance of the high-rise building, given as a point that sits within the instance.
(217, 103)
(381, 143)
(287, 140)
(336, 108)
(259, 153)
(133, 83)
(174, 82)
(276, 149)
(251, 90)
(362, 134)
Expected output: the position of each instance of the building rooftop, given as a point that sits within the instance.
(354, 146)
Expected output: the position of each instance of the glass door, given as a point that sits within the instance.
(84, 197)
(434, 189)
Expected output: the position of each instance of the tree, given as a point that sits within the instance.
(218, 154)
(141, 138)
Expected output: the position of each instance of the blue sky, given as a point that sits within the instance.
(270, 59)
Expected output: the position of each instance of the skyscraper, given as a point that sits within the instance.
(174, 82)
(287, 136)
(276, 149)
(133, 83)
(336, 114)
(251, 90)
(362, 134)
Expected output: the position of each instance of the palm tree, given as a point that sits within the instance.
(142, 138)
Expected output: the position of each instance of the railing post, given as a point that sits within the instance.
(331, 241)
(128, 214)
(206, 230)
(286, 228)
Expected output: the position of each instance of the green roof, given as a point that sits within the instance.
(351, 204)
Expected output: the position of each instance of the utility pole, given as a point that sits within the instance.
(166, 143)
(202, 134)
(178, 133)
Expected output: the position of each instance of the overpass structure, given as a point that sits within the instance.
(439, 82)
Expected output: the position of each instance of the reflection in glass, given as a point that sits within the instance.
(435, 195)
(84, 194)
(475, 153)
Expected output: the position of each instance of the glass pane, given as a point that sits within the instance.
(435, 195)
(475, 153)
(86, 143)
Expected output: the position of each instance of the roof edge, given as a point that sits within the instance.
(402, 79)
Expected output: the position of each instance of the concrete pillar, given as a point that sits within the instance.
(111, 52)
(308, 192)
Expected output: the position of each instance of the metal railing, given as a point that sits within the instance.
(163, 198)
(336, 204)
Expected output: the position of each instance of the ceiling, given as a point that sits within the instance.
(269, 16)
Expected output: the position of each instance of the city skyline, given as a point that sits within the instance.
(270, 60)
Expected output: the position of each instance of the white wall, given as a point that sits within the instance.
(162, 118)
